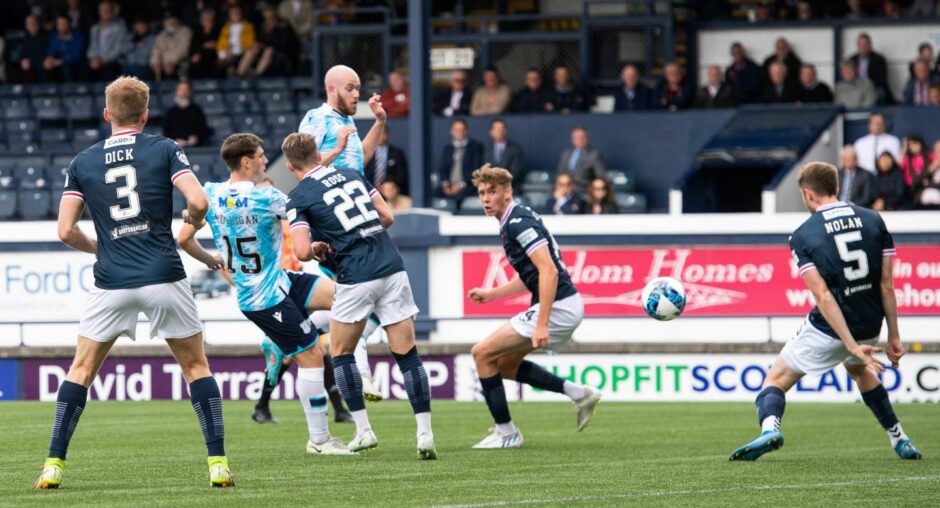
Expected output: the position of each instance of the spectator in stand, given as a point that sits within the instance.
(855, 186)
(503, 153)
(171, 47)
(632, 95)
(891, 9)
(391, 192)
(600, 198)
(3, 67)
(458, 162)
(779, 89)
(565, 95)
(811, 89)
(914, 158)
(532, 97)
(137, 50)
(855, 10)
(925, 53)
(673, 92)
(80, 16)
(107, 43)
(185, 122)
(493, 97)
(877, 141)
(917, 90)
(236, 38)
(927, 185)
(203, 57)
(582, 161)
(29, 53)
(396, 98)
(715, 93)
(299, 14)
(388, 164)
(872, 65)
(889, 189)
(564, 199)
(743, 75)
(783, 54)
(456, 100)
(804, 10)
(924, 8)
(933, 95)
(854, 91)
(275, 52)
(66, 55)
(191, 11)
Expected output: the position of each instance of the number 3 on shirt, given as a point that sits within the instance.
(127, 191)
(352, 195)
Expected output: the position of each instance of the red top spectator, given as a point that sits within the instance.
(395, 98)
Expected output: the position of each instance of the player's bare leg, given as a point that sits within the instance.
(771, 402)
(876, 398)
(343, 339)
(401, 342)
(311, 391)
(70, 404)
(207, 402)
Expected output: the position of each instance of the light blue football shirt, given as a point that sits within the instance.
(323, 124)
(246, 227)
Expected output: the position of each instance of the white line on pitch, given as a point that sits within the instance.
(662, 493)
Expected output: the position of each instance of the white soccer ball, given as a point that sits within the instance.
(663, 298)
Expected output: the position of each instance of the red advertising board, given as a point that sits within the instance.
(719, 281)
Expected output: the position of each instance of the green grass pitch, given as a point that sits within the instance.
(151, 453)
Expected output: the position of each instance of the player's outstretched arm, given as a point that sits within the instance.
(385, 212)
(371, 141)
(303, 248)
(197, 204)
(890, 304)
(548, 286)
(511, 288)
(187, 241)
(327, 158)
(833, 314)
(70, 210)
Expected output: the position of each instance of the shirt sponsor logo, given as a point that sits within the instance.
(130, 230)
(842, 211)
(233, 202)
(119, 140)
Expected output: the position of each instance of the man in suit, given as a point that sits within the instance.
(779, 89)
(456, 100)
(388, 163)
(633, 95)
(581, 161)
(533, 97)
(503, 153)
(855, 185)
(461, 157)
(743, 76)
(872, 65)
(716, 93)
(917, 90)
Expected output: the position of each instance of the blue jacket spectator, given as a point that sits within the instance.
(137, 49)
(743, 75)
(673, 92)
(533, 97)
(566, 97)
(66, 54)
(916, 92)
(633, 95)
(564, 200)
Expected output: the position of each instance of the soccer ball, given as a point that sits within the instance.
(663, 298)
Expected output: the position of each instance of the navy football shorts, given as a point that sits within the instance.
(286, 323)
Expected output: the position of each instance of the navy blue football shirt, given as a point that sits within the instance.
(126, 182)
(336, 204)
(846, 244)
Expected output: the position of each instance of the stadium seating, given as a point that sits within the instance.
(34, 204)
(444, 204)
(7, 204)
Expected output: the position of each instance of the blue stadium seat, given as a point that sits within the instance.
(212, 103)
(276, 101)
(55, 199)
(537, 181)
(16, 107)
(301, 85)
(274, 84)
(54, 135)
(537, 199)
(621, 181)
(179, 203)
(43, 89)
(631, 202)
(7, 175)
(205, 85)
(32, 177)
(80, 107)
(232, 85)
(86, 137)
(305, 104)
(7, 204)
(201, 164)
(167, 86)
(55, 175)
(221, 126)
(34, 204)
(48, 107)
(251, 123)
(471, 205)
(444, 204)
(283, 121)
(77, 89)
(8, 90)
(242, 101)
(219, 172)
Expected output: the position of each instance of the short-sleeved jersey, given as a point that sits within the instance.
(336, 205)
(522, 233)
(126, 182)
(246, 226)
(323, 124)
(846, 244)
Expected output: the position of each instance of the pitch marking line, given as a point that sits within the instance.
(663, 493)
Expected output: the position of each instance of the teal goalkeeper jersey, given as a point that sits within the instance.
(323, 124)
(246, 227)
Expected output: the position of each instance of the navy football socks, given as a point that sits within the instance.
(207, 402)
(877, 401)
(536, 376)
(495, 395)
(771, 402)
(70, 403)
(349, 381)
(416, 380)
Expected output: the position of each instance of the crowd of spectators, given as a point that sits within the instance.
(71, 40)
(882, 172)
(761, 11)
